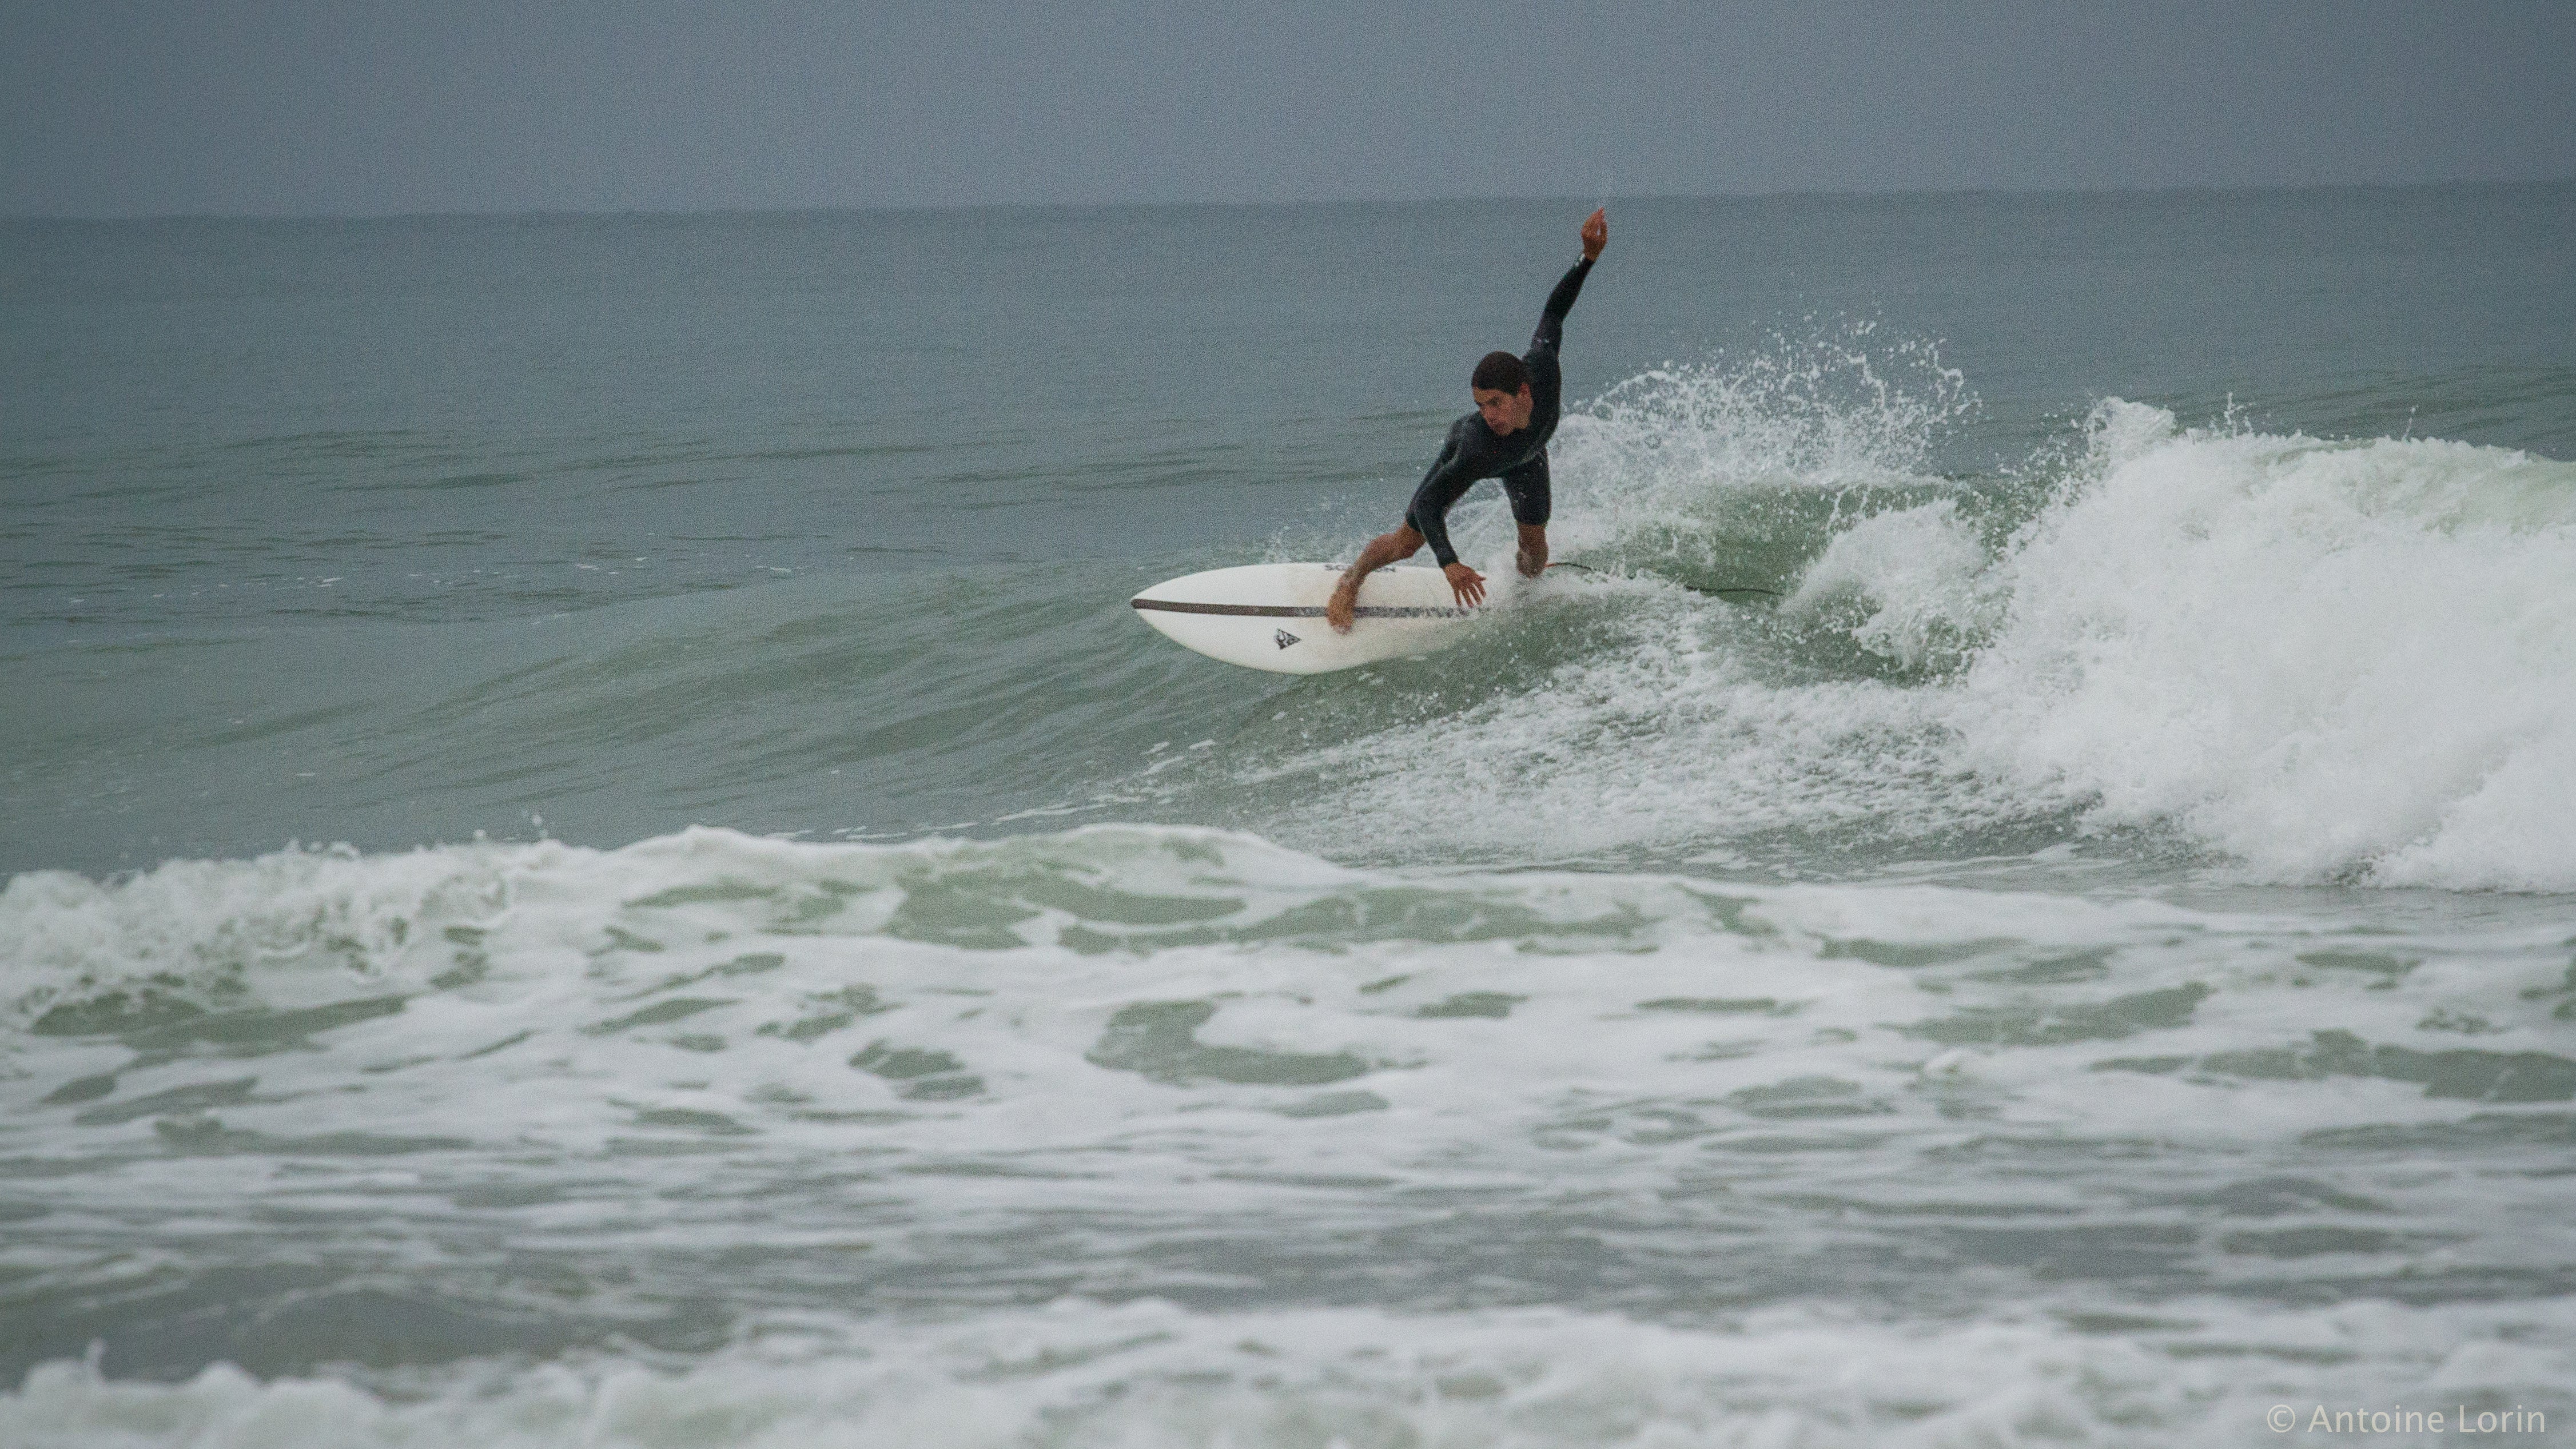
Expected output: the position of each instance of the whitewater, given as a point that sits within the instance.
(2017, 897)
(1134, 1135)
(2312, 660)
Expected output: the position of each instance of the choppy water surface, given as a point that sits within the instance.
(2091, 961)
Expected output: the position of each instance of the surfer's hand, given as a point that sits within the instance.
(1465, 582)
(1596, 234)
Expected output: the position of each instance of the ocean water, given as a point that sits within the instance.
(594, 856)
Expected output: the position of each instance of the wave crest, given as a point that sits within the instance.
(2327, 660)
(2315, 660)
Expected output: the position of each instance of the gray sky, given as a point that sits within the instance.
(150, 107)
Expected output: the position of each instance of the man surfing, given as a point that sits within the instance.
(1505, 437)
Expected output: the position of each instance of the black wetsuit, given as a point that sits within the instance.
(1475, 451)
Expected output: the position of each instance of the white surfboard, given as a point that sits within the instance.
(1271, 616)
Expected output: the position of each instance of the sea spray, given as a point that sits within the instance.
(2302, 659)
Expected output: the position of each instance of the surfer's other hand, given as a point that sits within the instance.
(1596, 234)
(1465, 582)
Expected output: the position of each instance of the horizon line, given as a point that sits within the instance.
(924, 208)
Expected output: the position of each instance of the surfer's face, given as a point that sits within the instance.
(1505, 412)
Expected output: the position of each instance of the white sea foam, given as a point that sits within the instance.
(790, 1075)
(1918, 580)
(1204, 1001)
(2323, 659)
(1149, 1375)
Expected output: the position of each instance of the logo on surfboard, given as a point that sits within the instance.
(1283, 638)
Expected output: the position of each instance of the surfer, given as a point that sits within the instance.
(1505, 437)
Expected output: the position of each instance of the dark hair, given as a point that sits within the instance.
(1501, 372)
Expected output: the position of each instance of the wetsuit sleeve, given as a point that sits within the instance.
(1451, 475)
(1551, 318)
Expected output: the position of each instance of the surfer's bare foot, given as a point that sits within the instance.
(1533, 554)
(1342, 607)
(1382, 550)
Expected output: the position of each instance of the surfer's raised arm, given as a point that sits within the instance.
(1517, 404)
(1551, 318)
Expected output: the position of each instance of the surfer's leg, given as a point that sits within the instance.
(1533, 554)
(1382, 550)
(1527, 487)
